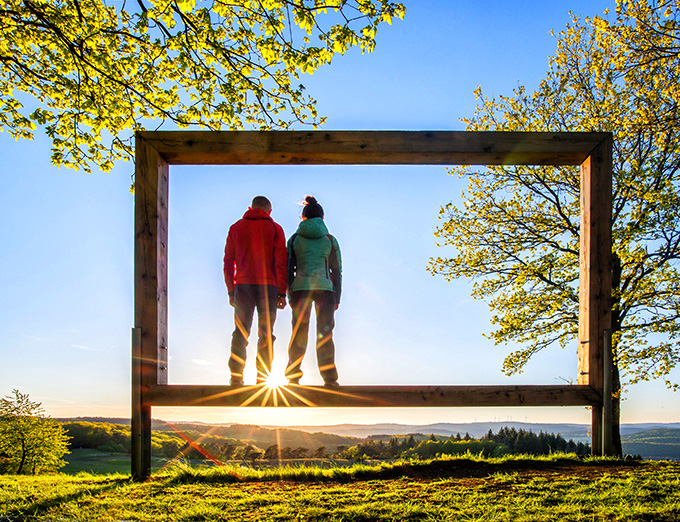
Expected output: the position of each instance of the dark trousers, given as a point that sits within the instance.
(248, 298)
(324, 304)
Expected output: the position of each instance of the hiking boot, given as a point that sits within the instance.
(331, 384)
(294, 381)
(236, 381)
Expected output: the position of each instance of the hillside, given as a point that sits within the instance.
(650, 440)
(659, 444)
(577, 432)
(265, 437)
(256, 435)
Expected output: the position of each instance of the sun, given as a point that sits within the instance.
(276, 380)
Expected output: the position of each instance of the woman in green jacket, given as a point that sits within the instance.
(314, 277)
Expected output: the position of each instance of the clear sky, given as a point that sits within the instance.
(66, 273)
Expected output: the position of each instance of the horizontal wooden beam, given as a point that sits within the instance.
(371, 396)
(372, 147)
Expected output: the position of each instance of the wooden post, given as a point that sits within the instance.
(141, 413)
(607, 403)
(595, 274)
(151, 296)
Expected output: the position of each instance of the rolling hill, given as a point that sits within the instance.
(658, 444)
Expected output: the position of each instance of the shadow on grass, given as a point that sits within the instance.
(436, 468)
(40, 507)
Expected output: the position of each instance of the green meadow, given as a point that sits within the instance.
(517, 488)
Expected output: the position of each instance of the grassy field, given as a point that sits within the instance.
(515, 488)
(102, 462)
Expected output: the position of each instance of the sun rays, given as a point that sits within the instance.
(277, 392)
(274, 392)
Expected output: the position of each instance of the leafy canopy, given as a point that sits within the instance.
(30, 442)
(92, 71)
(517, 230)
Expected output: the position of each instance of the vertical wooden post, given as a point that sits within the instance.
(150, 333)
(607, 403)
(595, 275)
(141, 413)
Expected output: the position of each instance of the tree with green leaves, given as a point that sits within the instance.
(30, 442)
(91, 72)
(517, 230)
(320, 453)
(252, 453)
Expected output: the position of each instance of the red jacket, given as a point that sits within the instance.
(255, 253)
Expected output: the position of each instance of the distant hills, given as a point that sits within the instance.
(578, 432)
(650, 440)
(657, 444)
(656, 441)
(260, 436)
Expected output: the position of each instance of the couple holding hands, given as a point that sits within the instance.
(259, 269)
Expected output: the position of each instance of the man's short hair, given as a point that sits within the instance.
(261, 202)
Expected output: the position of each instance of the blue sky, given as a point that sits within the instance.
(67, 243)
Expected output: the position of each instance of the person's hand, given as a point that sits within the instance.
(232, 302)
(281, 304)
(337, 306)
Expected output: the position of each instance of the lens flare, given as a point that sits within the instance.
(275, 380)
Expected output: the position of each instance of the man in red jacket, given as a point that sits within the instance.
(255, 270)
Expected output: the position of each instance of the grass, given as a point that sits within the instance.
(462, 488)
(96, 461)
(102, 462)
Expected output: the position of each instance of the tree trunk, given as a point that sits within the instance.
(23, 457)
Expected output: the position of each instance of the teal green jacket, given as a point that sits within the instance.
(314, 260)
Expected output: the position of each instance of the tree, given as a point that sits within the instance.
(517, 230)
(320, 453)
(272, 452)
(30, 442)
(340, 451)
(252, 453)
(651, 31)
(97, 70)
(228, 449)
(300, 453)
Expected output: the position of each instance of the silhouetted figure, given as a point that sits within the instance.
(314, 277)
(255, 273)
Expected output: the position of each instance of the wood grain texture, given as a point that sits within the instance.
(371, 396)
(150, 333)
(372, 147)
(595, 263)
(151, 261)
(595, 282)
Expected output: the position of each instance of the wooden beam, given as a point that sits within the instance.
(150, 333)
(595, 274)
(372, 147)
(371, 396)
(151, 260)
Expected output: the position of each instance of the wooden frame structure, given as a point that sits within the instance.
(156, 151)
